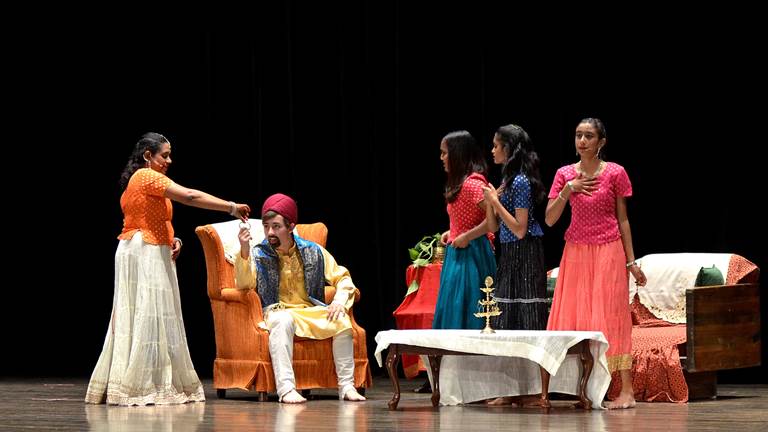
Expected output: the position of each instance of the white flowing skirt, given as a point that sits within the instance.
(145, 359)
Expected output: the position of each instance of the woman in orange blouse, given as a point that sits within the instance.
(145, 359)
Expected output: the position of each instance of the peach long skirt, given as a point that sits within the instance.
(592, 294)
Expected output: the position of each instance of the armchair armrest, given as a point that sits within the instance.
(241, 296)
(247, 297)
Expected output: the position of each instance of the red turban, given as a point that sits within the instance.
(282, 205)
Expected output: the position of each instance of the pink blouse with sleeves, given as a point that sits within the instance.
(593, 218)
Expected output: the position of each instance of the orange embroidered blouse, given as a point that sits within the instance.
(146, 209)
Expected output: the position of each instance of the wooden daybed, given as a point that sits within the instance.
(677, 362)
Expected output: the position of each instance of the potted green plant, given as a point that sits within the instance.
(428, 249)
(425, 250)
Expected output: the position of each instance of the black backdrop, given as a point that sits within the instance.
(343, 107)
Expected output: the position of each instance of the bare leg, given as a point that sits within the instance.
(542, 400)
(587, 362)
(626, 398)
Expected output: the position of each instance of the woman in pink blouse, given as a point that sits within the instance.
(592, 283)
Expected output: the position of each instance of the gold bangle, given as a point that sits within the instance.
(631, 263)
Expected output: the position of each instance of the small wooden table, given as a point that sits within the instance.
(397, 346)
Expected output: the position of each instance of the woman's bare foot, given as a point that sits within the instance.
(292, 397)
(500, 401)
(520, 401)
(624, 401)
(626, 397)
(532, 400)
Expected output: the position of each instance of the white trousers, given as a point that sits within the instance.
(281, 332)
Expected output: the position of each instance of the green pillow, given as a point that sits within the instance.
(709, 276)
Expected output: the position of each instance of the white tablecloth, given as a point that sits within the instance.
(510, 362)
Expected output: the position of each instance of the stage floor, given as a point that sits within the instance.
(57, 404)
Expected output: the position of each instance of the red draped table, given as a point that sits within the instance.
(418, 309)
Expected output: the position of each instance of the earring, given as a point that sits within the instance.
(147, 164)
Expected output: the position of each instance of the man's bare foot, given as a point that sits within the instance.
(624, 401)
(292, 397)
(506, 400)
(353, 395)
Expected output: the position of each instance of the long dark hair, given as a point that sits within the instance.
(522, 159)
(149, 141)
(464, 158)
(601, 133)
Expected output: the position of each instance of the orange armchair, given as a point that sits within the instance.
(242, 347)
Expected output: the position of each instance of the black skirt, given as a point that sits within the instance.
(521, 286)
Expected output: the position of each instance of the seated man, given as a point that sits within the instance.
(290, 275)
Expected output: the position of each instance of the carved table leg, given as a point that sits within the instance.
(434, 365)
(393, 356)
(587, 361)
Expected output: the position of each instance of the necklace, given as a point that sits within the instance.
(599, 169)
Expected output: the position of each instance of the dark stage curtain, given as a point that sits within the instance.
(343, 107)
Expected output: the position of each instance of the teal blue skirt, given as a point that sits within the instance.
(464, 272)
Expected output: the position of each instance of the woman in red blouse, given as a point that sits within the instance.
(469, 256)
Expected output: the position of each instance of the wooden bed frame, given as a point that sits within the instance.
(723, 332)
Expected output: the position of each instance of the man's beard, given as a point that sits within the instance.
(274, 241)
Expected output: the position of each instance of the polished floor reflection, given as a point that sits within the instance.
(57, 404)
(185, 417)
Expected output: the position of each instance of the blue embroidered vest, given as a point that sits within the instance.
(268, 271)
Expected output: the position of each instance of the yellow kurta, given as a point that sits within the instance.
(311, 321)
